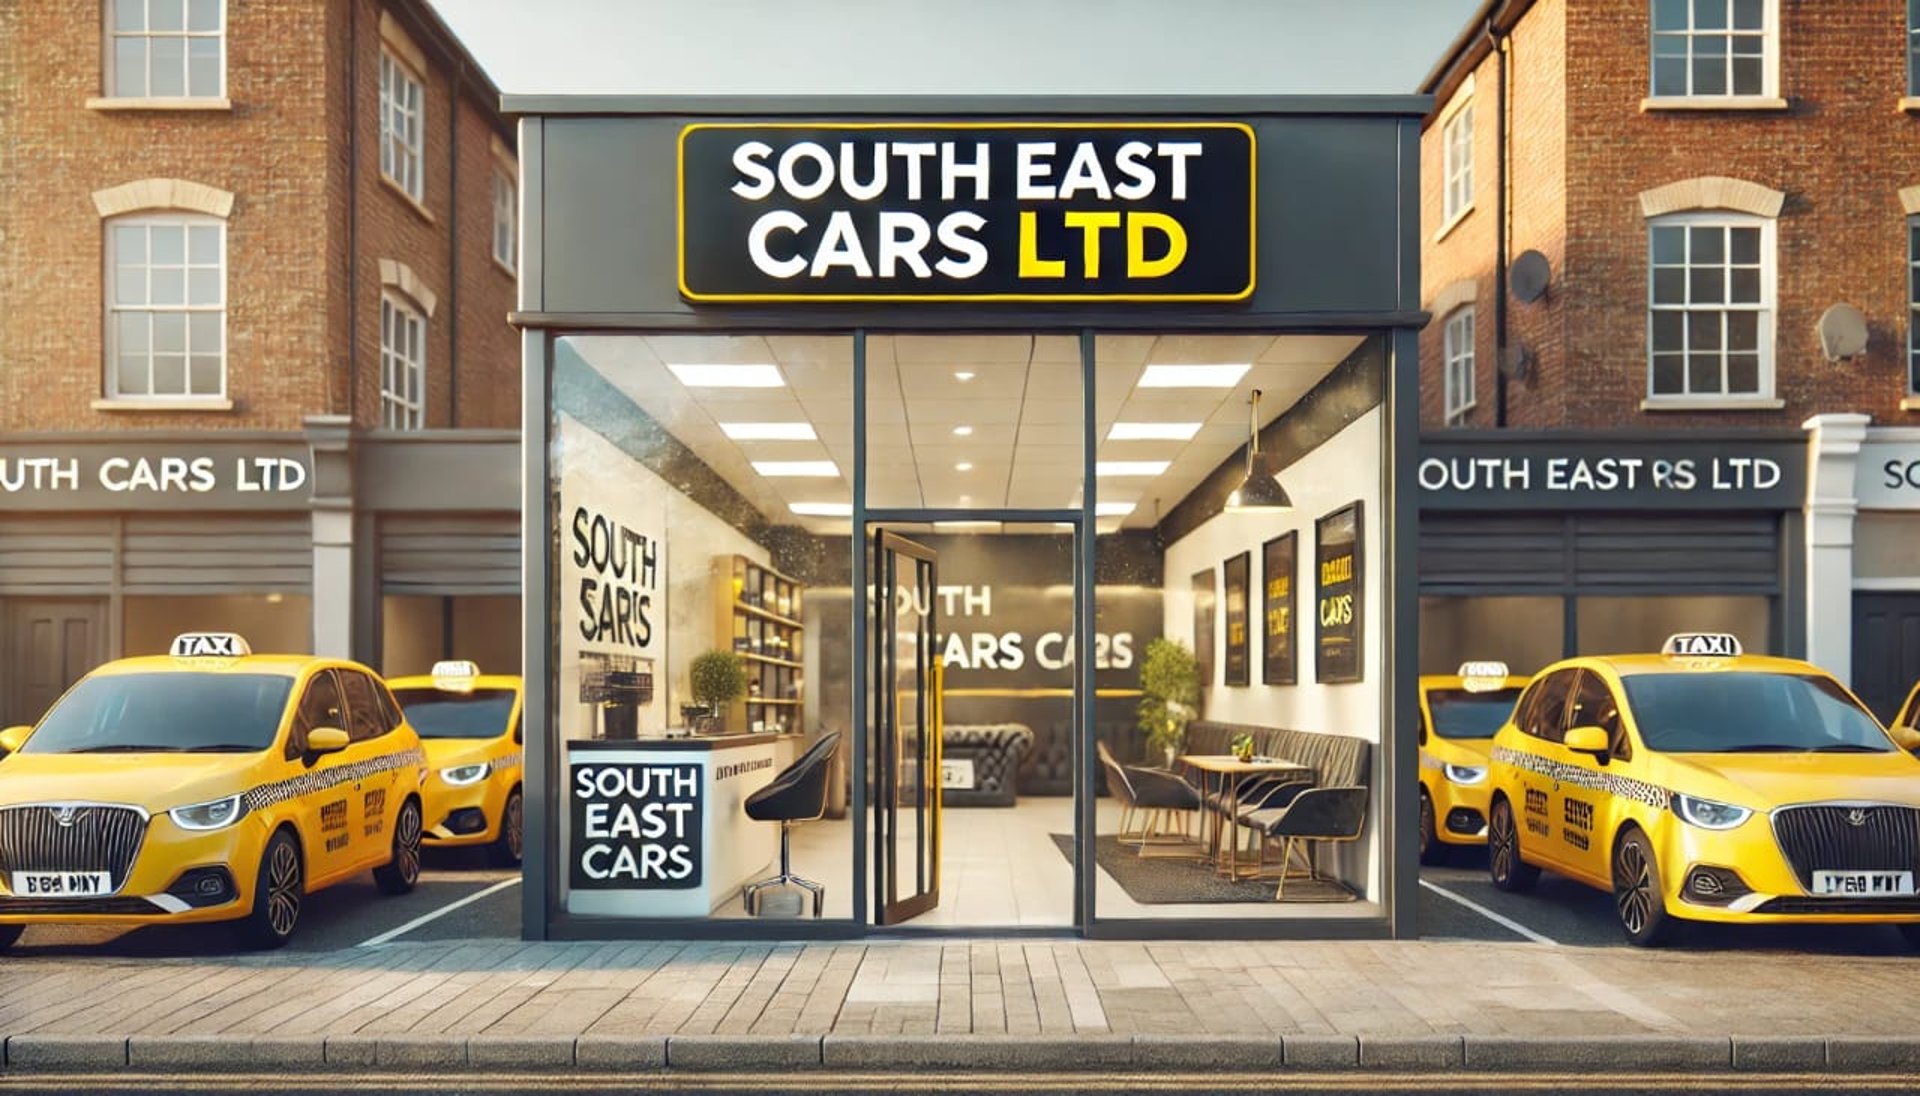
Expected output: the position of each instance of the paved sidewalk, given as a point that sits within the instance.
(1400, 1004)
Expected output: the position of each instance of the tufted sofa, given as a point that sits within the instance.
(1337, 760)
(996, 750)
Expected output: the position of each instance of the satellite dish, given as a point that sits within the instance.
(1528, 277)
(1843, 332)
(1516, 361)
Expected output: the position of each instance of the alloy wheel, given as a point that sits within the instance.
(283, 889)
(1632, 887)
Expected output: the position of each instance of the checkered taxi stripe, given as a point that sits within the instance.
(319, 780)
(1625, 787)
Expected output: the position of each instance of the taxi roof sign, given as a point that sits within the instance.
(209, 645)
(1481, 677)
(1701, 645)
(455, 675)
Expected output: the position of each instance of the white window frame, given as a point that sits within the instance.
(1766, 309)
(403, 155)
(1912, 225)
(1457, 358)
(1769, 36)
(398, 409)
(1456, 158)
(113, 36)
(115, 308)
(506, 215)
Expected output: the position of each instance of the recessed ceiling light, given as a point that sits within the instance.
(1130, 467)
(728, 376)
(769, 431)
(967, 526)
(822, 509)
(964, 466)
(1193, 376)
(963, 431)
(962, 375)
(1153, 431)
(796, 468)
(1113, 509)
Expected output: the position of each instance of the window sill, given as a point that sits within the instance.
(504, 268)
(1712, 403)
(1910, 104)
(1458, 416)
(1452, 222)
(1910, 403)
(415, 203)
(1712, 102)
(114, 102)
(163, 403)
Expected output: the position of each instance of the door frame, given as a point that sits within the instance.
(888, 907)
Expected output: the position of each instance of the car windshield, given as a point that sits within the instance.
(1458, 713)
(482, 713)
(165, 713)
(1749, 712)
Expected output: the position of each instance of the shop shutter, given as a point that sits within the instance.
(219, 554)
(1733, 554)
(55, 555)
(450, 556)
(1463, 552)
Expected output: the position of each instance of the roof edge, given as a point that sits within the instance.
(1470, 46)
(1394, 105)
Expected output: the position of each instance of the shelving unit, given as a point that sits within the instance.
(759, 611)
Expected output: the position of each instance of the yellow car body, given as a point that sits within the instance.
(154, 789)
(469, 723)
(1458, 717)
(1704, 784)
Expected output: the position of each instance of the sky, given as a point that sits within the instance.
(932, 47)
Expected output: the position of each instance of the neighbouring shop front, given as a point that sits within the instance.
(872, 447)
(1540, 546)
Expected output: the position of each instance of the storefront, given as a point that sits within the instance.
(1540, 546)
(995, 365)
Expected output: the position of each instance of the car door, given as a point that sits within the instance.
(1544, 723)
(376, 790)
(1585, 811)
(319, 789)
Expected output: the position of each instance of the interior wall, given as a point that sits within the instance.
(486, 630)
(270, 623)
(1344, 468)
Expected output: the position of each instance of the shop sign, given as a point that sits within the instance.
(636, 825)
(1887, 475)
(1235, 576)
(1338, 595)
(1623, 473)
(1277, 571)
(964, 211)
(153, 475)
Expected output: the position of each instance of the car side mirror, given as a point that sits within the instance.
(326, 740)
(13, 738)
(1588, 740)
(1907, 738)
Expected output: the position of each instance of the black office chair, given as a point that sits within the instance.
(797, 794)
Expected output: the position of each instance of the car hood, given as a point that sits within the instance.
(154, 781)
(446, 753)
(1459, 751)
(1774, 780)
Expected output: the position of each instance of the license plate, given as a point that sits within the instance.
(61, 884)
(1863, 884)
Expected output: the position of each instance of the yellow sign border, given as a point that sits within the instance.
(680, 216)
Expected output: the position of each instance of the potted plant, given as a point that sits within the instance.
(1242, 746)
(718, 679)
(1169, 695)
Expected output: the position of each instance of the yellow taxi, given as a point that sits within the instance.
(1458, 714)
(208, 784)
(1706, 784)
(470, 724)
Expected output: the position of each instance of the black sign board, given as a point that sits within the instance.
(1338, 595)
(1277, 566)
(1203, 599)
(1235, 575)
(967, 211)
(636, 825)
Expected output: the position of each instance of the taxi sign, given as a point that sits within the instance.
(455, 676)
(1701, 645)
(209, 645)
(1482, 677)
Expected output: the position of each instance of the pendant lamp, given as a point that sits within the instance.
(1261, 490)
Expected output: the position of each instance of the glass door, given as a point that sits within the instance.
(906, 731)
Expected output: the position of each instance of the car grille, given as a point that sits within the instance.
(1891, 904)
(95, 839)
(1822, 838)
(60, 907)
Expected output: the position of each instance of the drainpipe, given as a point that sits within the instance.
(453, 248)
(353, 211)
(1502, 223)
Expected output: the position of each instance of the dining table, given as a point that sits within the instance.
(1226, 773)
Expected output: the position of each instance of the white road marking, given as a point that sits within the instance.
(1498, 919)
(435, 915)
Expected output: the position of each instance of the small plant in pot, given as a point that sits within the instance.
(1169, 695)
(718, 679)
(1242, 746)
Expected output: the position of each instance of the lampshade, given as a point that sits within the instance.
(1261, 490)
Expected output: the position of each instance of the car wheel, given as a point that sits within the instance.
(1637, 894)
(399, 874)
(10, 935)
(1504, 866)
(1433, 851)
(506, 849)
(277, 894)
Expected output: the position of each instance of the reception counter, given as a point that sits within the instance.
(657, 827)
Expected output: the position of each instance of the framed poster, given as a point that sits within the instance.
(1234, 574)
(1339, 596)
(1278, 559)
(1203, 627)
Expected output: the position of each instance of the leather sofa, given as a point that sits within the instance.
(996, 750)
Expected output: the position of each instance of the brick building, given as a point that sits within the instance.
(255, 374)
(1679, 233)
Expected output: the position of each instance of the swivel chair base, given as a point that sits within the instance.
(750, 894)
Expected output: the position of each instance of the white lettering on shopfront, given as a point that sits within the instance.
(1598, 474)
(190, 475)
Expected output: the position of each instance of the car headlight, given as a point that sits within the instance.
(461, 775)
(1466, 774)
(214, 814)
(1709, 814)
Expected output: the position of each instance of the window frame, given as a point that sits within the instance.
(510, 210)
(1456, 352)
(1766, 309)
(112, 308)
(395, 307)
(1913, 302)
(1769, 36)
(1456, 157)
(394, 68)
(109, 67)
(1913, 48)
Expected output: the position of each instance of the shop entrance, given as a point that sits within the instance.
(1886, 648)
(905, 757)
(47, 646)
